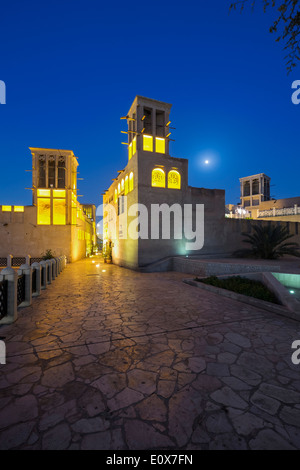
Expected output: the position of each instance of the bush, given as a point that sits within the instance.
(48, 255)
(243, 286)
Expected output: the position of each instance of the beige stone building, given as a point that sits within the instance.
(55, 220)
(152, 178)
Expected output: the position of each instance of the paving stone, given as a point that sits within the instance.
(125, 398)
(132, 369)
(57, 438)
(226, 358)
(265, 403)
(152, 409)
(290, 415)
(245, 423)
(20, 410)
(280, 393)
(140, 435)
(142, 381)
(228, 442)
(229, 398)
(267, 439)
(238, 339)
(165, 388)
(218, 423)
(184, 407)
(58, 376)
(246, 375)
(236, 384)
(86, 426)
(15, 436)
(196, 364)
(219, 370)
(110, 384)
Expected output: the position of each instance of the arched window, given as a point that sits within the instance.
(122, 184)
(130, 182)
(174, 179)
(116, 196)
(158, 178)
(119, 188)
(126, 185)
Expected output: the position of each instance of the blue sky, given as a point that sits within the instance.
(72, 68)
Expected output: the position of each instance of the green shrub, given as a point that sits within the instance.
(48, 255)
(243, 286)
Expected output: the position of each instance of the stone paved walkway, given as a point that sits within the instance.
(123, 360)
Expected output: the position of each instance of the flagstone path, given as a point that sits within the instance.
(123, 360)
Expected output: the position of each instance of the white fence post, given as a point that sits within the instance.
(10, 275)
(27, 271)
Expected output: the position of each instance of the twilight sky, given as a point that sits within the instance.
(73, 67)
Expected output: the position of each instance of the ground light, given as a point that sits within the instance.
(292, 292)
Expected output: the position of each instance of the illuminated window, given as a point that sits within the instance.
(148, 143)
(116, 196)
(119, 188)
(122, 185)
(134, 146)
(43, 192)
(6, 208)
(158, 178)
(130, 151)
(126, 185)
(59, 193)
(43, 211)
(174, 180)
(160, 145)
(59, 212)
(18, 208)
(130, 182)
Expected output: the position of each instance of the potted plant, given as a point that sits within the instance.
(107, 252)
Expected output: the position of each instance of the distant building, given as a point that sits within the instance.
(55, 220)
(257, 203)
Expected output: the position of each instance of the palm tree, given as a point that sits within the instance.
(268, 242)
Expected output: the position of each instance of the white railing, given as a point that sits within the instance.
(279, 212)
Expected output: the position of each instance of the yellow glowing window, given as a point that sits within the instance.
(119, 188)
(43, 211)
(59, 193)
(126, 185)
(134, 146)
(148, 143)
(116, 196)
(59, 212)
(130, 151)
(174, 180)
(160, 145)
(6, 208)
(18, 208)
(158, 178)
(43, 192)
(122, 185)
(74, 214)
(130, 182)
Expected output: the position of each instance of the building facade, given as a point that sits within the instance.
(55, 220)
(154, 183)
